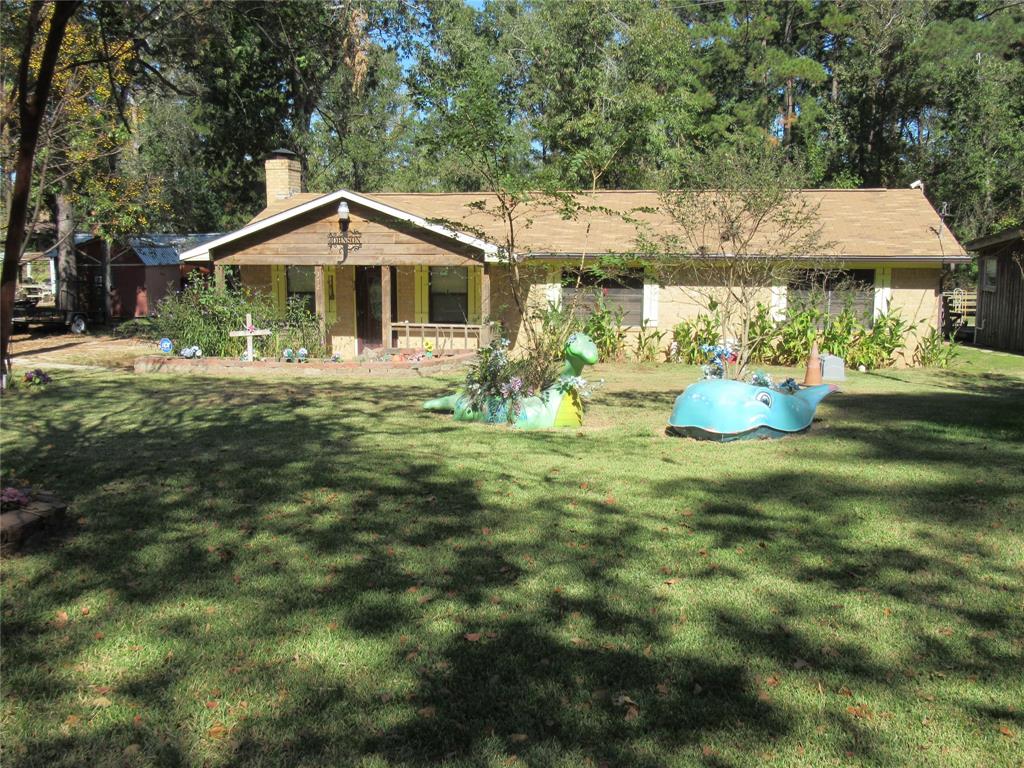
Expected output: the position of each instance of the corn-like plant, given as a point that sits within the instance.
(761, 335)
(648, 343)
(691, 337)
(936, 351)
(797, 335)
(604, 327)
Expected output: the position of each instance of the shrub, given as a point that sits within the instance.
(789, 342)
(648, 343)
(604, 327)
(935, 351)
(876, 348)
(203, 316)
(796, 335)
(494, 376)
(299, 329)
(138, 328)
(690, 337)
(543, 360)
(761, 335)
(840, 333)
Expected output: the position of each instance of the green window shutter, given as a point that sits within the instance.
(279, 287)
(330, 287)
(421, 294)
(473, 286)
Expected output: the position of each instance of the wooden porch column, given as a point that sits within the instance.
(385, 306)
(485, 294)
(219, 281)
(485, 305)
(320, 296)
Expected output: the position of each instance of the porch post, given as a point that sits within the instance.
(485, 305)
(219, 281)
(320, 296)
(385, 306)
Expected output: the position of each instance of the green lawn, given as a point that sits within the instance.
(300, 572)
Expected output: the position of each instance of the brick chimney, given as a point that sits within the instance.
(284, 175)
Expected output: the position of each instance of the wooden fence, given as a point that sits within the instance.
(446, 337)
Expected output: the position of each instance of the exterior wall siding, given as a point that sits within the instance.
(915, 294)
(1001, 310)
(376, 239)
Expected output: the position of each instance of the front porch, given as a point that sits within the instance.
(368, 307)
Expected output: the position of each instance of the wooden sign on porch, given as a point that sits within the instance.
(249, 333)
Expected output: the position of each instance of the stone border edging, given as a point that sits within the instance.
(43, 508)
(231, 367)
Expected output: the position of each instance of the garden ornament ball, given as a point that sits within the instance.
(724, 410)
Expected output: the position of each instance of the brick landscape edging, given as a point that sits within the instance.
(224, 366)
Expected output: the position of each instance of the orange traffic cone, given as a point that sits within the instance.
(813, 375)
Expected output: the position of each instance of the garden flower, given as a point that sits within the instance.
(13, 497)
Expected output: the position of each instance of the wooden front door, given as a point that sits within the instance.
(368, 308)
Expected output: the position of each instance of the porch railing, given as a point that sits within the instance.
(446, 337)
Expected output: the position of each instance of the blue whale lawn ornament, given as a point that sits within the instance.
(723, 410)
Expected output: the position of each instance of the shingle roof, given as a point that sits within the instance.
(855, 222)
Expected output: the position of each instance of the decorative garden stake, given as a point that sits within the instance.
(813, 376)
(722, 410)
(559, 405)
(249, 333)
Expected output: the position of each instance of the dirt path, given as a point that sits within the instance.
(67, 350)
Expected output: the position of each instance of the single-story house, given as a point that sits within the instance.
(999, 317)
(393, 268)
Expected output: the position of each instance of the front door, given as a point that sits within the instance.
(368, 308)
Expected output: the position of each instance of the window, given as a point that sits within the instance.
(991, 274)
(624, 291)
(449, 295)
(832, 292)
(302, 283)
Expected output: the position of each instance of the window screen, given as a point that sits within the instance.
(832, 292)
(302, 284)
(991, 274)
(449, 295)
(624, 291)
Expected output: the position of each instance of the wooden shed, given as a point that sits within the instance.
(1000, 313)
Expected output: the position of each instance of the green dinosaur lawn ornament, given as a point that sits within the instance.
(556, 406)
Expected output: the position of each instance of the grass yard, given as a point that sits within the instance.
(281, 573)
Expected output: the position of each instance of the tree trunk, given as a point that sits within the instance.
(67, 258)
(31, 108)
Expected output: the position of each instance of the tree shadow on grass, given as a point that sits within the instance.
(362, 592)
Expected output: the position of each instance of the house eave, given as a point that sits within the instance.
(204, 252)
(831, 258)
(999, 238)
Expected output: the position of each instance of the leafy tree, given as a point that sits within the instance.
(739, 226)
(24, 112)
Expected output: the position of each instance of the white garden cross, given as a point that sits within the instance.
(249, 333)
